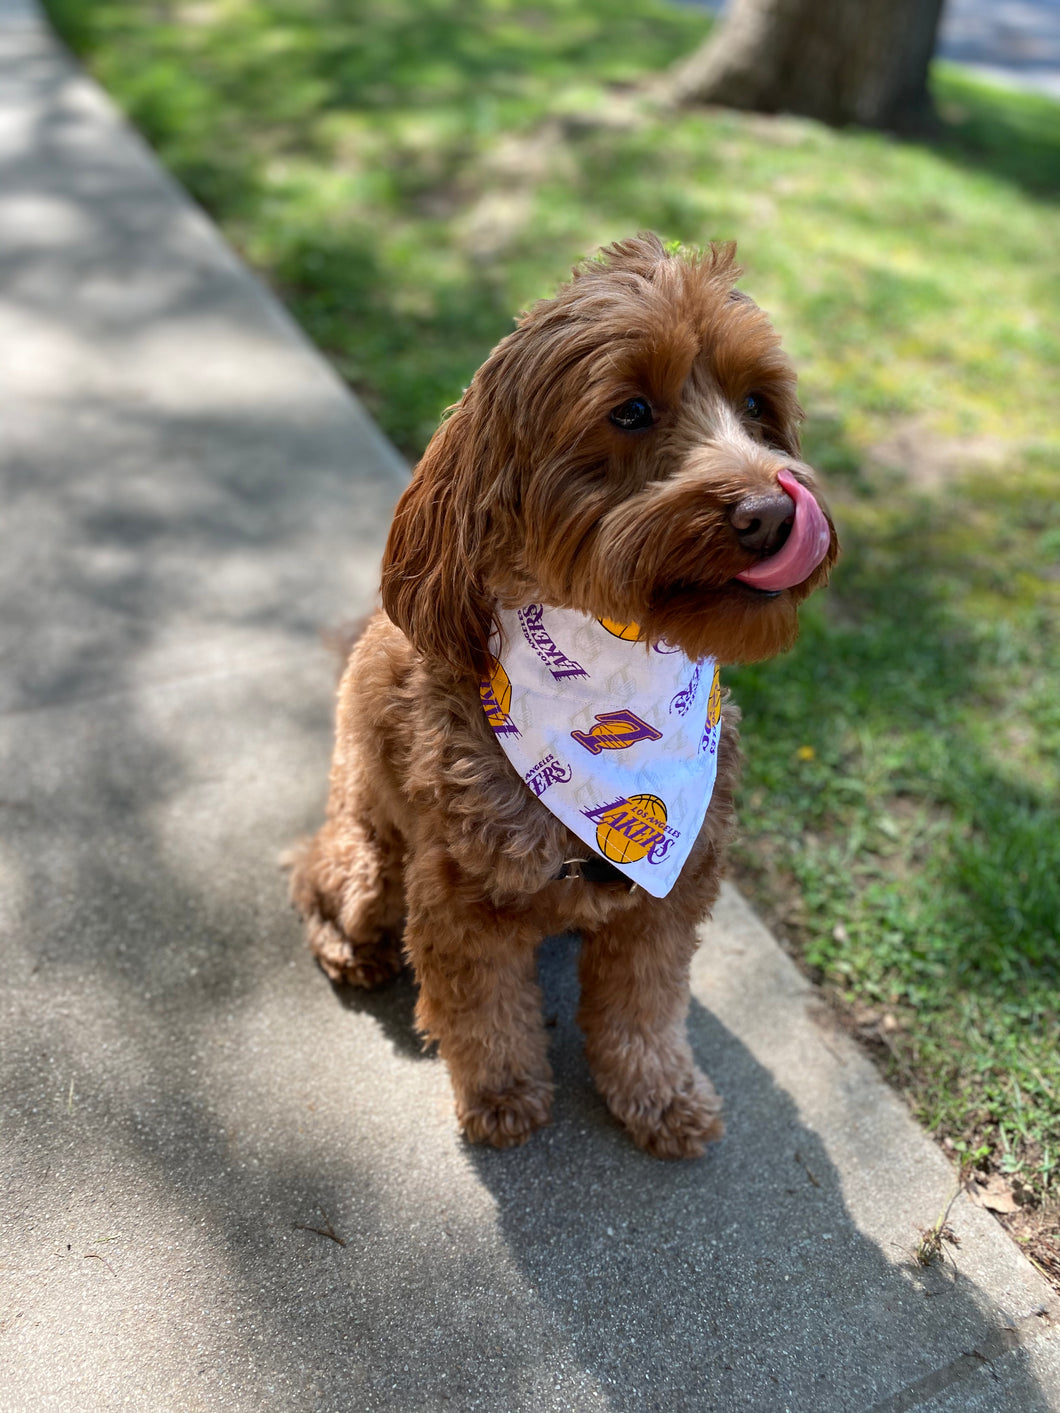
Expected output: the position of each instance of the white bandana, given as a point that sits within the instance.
(618, 738)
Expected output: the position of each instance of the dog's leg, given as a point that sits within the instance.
(347, 884)
(479, 999)
(634, 977)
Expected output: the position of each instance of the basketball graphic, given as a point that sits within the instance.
(631, 828)
(496, 694)
(628, 632)
(500, 686)
(714, 700)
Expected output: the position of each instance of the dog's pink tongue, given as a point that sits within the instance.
(802, 551)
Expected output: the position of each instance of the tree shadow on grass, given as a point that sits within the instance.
(1011, 135)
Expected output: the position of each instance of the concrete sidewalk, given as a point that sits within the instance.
(188, 1107)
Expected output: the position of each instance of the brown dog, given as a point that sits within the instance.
(624, 454)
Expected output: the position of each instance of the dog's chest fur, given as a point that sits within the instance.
(447, 775)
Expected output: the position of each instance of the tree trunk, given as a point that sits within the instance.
(843, 61)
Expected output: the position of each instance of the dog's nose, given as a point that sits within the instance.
(762, 521)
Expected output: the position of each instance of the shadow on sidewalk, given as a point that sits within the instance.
(736, 1282)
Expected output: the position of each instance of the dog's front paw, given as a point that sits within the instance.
(506, 1117)
(678, 1124)
(363, 964)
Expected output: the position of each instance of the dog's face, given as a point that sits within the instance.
(632, 451)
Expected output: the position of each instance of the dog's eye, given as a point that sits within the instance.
(752, 407)
(631, 416)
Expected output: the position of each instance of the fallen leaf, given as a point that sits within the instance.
(994, 1194)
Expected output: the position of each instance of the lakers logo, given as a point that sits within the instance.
(615, 731)
(628, 632)
(682, 703)
(629, 829)
(496, 694)
(531, 621)
(714, 700)
(549, 771)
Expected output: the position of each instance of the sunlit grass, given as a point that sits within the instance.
(410, 173)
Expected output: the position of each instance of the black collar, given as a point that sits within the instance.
(593, 869)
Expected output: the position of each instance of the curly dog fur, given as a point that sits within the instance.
(434, 850)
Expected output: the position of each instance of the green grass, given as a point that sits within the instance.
(409, 173)
(913, 742)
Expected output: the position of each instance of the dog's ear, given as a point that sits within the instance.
(432, 557)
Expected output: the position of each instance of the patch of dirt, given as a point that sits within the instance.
(928, 460)
(501, 191)
(1033, 1226)
(1036, 1230)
